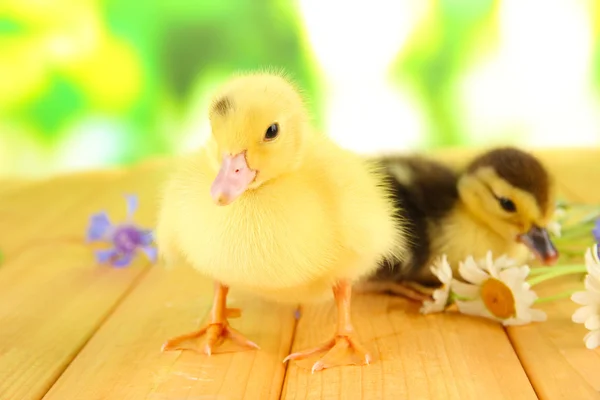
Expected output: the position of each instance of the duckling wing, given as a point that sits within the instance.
(424, 192)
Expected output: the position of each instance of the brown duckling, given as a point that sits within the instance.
(502, 201)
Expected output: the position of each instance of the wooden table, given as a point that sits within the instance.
(72, 330)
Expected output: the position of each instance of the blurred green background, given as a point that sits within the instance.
(85, 84)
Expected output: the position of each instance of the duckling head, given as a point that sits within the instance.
(259, 127)
(511, 192)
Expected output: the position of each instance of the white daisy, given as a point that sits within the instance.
(496, 289)
(441, 269)
(555, 226)
(589, 314)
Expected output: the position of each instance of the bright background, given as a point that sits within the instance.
(85, 84)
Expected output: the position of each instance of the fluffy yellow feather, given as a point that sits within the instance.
(271, 206)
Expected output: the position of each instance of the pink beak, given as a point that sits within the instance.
(232, 180)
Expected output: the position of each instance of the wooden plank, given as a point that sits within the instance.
(168, 303)
(9, 185)
(441, 356)
(416, 357)
(123, 360)
(553, 353)
(52, 298)
(38, 209)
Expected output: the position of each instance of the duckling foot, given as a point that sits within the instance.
(408, 290)
(216, 333)
(343, 349)
(217, 330)
(411, 290)
(340, 348)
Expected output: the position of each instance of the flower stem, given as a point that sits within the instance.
(556, 272)
(559, 296)
(543, 270)
(576, 232)
(539, 270)
(572, 253)
(452, 297)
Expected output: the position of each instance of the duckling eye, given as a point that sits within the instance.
(272, 132)
(507, 204)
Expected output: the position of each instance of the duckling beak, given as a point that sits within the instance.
(232, 180)
(538, 241)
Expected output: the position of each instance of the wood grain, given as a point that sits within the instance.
(53, 296)
(123, 360)
(417, 357)
(557, 362)
(553, 354)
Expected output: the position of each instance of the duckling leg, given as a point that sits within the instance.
(343, 343)
(216, 330)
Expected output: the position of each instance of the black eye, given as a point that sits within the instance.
(272, 132)
(507, 204)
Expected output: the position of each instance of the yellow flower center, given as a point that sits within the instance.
(498, 298)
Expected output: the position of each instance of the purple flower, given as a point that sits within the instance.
(596, 230)
(126, 238)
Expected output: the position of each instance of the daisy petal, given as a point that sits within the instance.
(132, 205)
(538, 315)
(471, 272)
(441, 269)
(591, 261)
(593, 323)
(554, 228)
(592, 284)
(582, 314)
(431, 307)
(514, 275)
(490, 266)
(592, 339)
(473, 307)
(583, 298)
(98, 227)
(103, 256)
(504, 262)
(464, 290)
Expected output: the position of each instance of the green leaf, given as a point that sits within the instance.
(10, 26)
(436, 56)
(55, 107)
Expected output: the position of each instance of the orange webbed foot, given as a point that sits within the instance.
(341, 350)
(215, 333)
(408, 290)
(412, 292)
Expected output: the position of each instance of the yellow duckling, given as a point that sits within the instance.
(271, 206)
